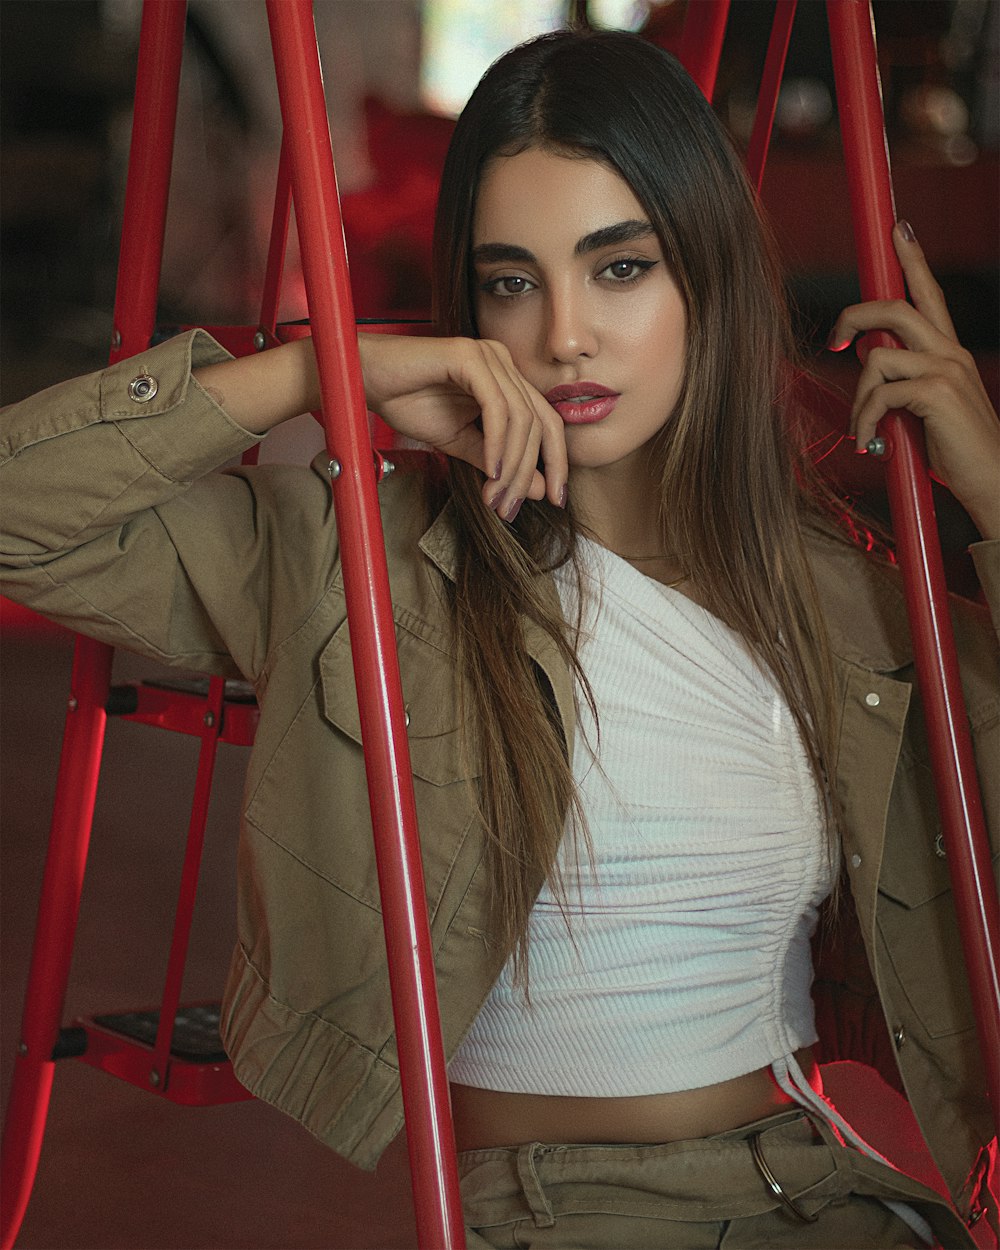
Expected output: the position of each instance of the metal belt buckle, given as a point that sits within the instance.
(753, 1141)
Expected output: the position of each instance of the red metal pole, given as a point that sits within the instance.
(770, 86)
(160, 46)
(271, 295)
(55, 929)
(701, 41)
(159, 1075)
(859, 100)
(390, 788)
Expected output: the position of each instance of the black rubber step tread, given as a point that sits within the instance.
(196, 1031)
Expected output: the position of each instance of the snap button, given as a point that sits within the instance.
(939, 850)
(975, 1215)
(143, 388)
(899, 1036)
(872, 699)
(406, 715)
(855, 860)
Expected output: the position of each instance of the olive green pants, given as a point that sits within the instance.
(709, 1194)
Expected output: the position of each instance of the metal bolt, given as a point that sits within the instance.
(876, 446)
(73, 703)
(116, 339)
(333, 468)
(387, 467)
(154, 1078)
(259, 341)
(209, 719)
(22, 1049)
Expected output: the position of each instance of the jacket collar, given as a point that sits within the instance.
(863, 604)
(439, 544)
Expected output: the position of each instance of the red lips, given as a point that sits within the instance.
(582, 403)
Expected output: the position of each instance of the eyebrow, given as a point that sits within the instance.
(606, 236)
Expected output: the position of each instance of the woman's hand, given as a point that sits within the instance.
(933, 377)
(466, 398)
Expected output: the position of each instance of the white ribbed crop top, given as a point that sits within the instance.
(687, 961)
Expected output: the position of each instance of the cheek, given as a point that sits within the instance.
(508, 326)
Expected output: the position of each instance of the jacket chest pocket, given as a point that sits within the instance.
(311, 800)
(916, 914)
(429, 698)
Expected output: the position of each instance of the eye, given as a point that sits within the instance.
(627, 269)
(507, 286)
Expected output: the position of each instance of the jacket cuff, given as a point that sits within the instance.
(192, 433)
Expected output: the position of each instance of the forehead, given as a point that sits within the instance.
(542, 199)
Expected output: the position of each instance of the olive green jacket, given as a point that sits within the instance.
(114, 523)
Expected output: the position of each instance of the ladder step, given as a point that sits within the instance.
(180, 706)
(198, 1072)
(196, 1031)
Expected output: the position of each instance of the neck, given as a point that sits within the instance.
(619, 506)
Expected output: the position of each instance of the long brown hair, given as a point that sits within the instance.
(734, 472)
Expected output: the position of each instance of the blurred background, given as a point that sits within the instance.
(119, 1168)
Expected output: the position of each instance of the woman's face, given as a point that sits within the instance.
(571, 278)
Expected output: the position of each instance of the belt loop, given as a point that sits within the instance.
(753, 1141)
(532, 1186)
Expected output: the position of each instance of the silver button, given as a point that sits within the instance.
(406, 715)
(939, 850)
(855, 860)
(872, 699)
(143, 388)
(899, 1036)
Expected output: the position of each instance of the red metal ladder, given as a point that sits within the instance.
(307, 173)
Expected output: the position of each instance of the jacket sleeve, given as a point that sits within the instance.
(115, 522)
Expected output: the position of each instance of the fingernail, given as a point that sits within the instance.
(513, 510)
(835, 342)
(563, 495)
(498, 470)
(906, 230)
(497, 499)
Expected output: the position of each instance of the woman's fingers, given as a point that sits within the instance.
(933, 377)
(466, 398)
(962, 431)
(926, 294)
(924, 325)
(518, 428)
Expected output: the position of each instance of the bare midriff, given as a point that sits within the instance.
(489, 1117)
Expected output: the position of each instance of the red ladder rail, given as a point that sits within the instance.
(158, 76)
(701, 42)
(390, 789)
(852, 42)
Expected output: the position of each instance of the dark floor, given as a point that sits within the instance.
(122, 1169)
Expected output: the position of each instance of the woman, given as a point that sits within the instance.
(650, 691)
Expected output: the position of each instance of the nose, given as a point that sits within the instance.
(570, 331)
